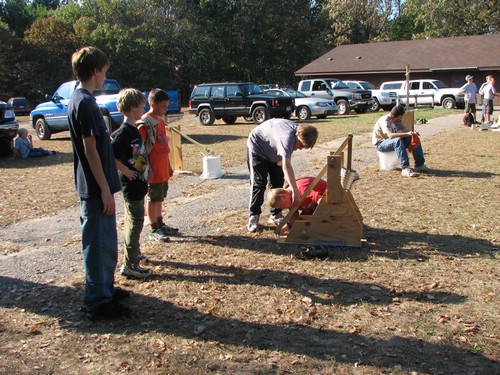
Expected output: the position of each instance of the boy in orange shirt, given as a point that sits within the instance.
(153, 132)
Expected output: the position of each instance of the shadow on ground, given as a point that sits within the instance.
(411, 354)
(379, 241)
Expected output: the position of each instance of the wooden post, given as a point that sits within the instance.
(408, 87)
(175, 145)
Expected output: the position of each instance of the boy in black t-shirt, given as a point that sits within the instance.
(132, 164)
(96, 180)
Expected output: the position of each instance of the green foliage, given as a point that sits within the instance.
(177, 43)
(443, 18)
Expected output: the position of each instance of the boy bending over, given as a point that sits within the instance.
(282, 198)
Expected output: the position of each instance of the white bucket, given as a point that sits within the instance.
(211, 167)
(388, 160)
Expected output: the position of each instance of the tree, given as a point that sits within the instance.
(445, 18)
(16, 14)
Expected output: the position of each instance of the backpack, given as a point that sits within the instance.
(469, 119)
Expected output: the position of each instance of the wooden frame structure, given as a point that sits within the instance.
(337, 220)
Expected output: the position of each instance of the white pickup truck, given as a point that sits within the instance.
(380, 99)
(426, 92)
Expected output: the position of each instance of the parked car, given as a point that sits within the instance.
(426, 92)
(305, 107)
(380, 99)
(52, 116)
(347, 99)
(20, 105)
(230, 100)
(8, 128)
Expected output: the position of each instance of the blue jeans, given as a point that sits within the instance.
(36, 152)
(100, 253)
(400, 144)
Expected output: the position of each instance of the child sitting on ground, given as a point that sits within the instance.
(24, 146)
(282, 198)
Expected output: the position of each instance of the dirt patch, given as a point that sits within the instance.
(421, 295)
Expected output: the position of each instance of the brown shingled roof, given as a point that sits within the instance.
(478, 52)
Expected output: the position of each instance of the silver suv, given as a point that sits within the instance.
(347, 99)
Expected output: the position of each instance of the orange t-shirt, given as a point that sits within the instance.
(158, 157)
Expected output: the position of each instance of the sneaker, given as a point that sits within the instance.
(120, 293)
(136, 272)
(408, 172)
(275, 219)
(311, 252)
(168, 230)
(157, 235)
(108, 311)
(253, 223)
(422, 168)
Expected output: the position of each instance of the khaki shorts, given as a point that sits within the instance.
(157, 192)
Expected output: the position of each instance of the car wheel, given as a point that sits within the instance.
(42, 129)
(449, 103)
(230, 120)
(303, 112)
(375, 107)
(248, 118)
(343, 107)
(260, 114)
(206, 117)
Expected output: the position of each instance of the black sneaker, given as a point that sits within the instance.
(108, 311)
(120, 293)
(311, 252)
(168, 230)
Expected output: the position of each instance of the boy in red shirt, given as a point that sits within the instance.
(154, 134)
(282, 198)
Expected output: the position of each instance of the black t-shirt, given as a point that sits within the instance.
(128, 147)
(85, 120)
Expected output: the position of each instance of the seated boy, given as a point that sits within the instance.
(24, 146)
(282, 198)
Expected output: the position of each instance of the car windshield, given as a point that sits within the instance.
(20, 101)
(367, 85)
(294, 94)
(250, 88)
(440, 85)
(336, 84)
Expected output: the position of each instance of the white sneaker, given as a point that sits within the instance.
(137, 272)
(422, 168)
(407, 172)
(253, 223)
(275, 219)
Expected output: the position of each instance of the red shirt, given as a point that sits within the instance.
(315, 194)
(158, 157)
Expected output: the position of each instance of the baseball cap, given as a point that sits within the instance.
(468, 77)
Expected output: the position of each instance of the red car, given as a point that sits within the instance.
(20, 105)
